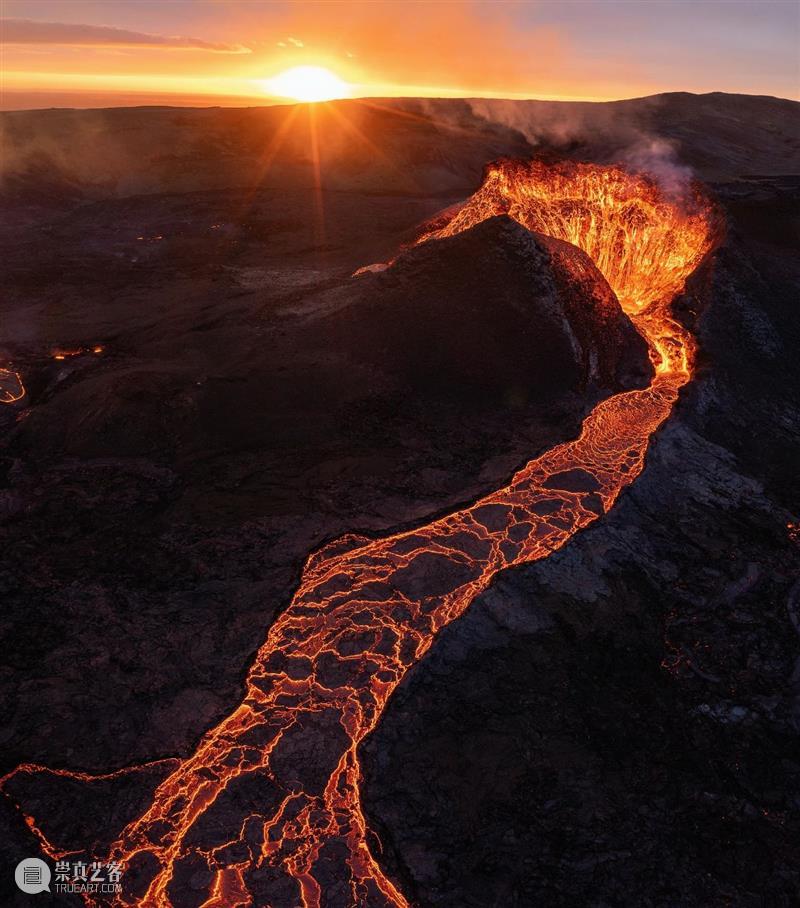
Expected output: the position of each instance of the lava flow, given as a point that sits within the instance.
(11, 387)
(62, 353)
(267, 810)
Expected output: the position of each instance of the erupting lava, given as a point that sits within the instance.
(268, 807)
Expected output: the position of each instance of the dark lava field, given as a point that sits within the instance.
(213, 394)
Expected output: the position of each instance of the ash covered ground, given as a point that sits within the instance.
(615, 725)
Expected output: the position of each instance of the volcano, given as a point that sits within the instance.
(498, 313)
(366, 611)
(466, 579)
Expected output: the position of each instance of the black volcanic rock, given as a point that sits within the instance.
(496, 317)
(617, 724)
(494, 314)
(159, 498)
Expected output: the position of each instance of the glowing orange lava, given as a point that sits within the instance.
(269, 803)
(11, 387)
(62, 353)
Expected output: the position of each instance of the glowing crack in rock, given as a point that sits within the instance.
(11, 387)
(268, 807)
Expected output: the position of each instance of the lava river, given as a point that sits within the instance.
(267, 809)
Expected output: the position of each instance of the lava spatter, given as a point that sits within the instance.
(267, 810)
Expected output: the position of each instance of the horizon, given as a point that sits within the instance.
(159, 103)
(191, 53)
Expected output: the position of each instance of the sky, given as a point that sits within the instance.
(101, 53)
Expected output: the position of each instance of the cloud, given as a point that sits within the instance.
(449, 43)
(27, 31)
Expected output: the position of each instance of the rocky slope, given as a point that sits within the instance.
(646, 749)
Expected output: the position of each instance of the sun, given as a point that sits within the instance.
(307, 83)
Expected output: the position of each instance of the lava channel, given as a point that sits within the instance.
(267, 809)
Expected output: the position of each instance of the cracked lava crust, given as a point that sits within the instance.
(285, 763)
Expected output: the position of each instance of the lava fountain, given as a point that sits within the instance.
(267, 809)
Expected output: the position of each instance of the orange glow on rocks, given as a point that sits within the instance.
(11, 387)
(62, 353)
(268, 806)
(644, 244)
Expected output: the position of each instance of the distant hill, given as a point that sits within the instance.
(408, 146)
(719, 135)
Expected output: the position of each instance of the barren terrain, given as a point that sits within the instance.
(212, 395)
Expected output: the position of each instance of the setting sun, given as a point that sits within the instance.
(307, 83)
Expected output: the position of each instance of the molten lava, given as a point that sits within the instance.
(268, 806)
(11, 387)
(66, 353)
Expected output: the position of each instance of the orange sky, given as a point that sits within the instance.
(89, 53)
